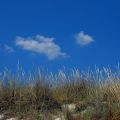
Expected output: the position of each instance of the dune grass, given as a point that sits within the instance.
(38, 92)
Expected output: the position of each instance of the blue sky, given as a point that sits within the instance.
(52, 34)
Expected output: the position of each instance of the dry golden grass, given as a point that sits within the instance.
(23, 93)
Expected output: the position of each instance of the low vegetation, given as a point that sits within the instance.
(38, 95)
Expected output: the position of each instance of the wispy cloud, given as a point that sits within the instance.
(83, 39)
(8, 48)
(42, 45)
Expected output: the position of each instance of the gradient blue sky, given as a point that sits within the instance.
(66, 24)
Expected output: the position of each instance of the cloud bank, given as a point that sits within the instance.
(41, 45)
(83, 39)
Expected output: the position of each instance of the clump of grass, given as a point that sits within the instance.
(68, 115)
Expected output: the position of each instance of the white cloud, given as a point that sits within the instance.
(8, 48)
(83, 39)
(42, 45)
